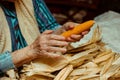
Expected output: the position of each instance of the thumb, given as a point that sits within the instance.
(70, 25)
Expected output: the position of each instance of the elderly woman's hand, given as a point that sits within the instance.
(68, 26)
(44, 46)
(47, 43)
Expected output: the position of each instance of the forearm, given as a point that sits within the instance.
(22, 56)
(17, 58)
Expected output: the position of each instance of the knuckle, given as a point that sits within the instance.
(50, 36)
(43, 42)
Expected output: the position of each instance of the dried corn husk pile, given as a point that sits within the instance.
(90, 61)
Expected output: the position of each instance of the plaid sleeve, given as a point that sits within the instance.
(6, 62)
(44, 17)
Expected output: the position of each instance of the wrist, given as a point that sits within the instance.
(22, 56)
(31, 52)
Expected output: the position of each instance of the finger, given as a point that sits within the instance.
(51, 54)
(56, 49)
(48, 32)
(85, 32)
(69, 39)
(69, 25)
(76, 37)
(72, 25)
(57, 43)
(56, 37)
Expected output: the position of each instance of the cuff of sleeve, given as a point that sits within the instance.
(6, 62)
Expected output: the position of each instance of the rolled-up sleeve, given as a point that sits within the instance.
(6, 62)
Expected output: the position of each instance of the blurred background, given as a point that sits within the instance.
(80, 10)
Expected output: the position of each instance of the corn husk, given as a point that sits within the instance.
(89, 61)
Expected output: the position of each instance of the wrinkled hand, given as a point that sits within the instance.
(73, 38)
(47, 43)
